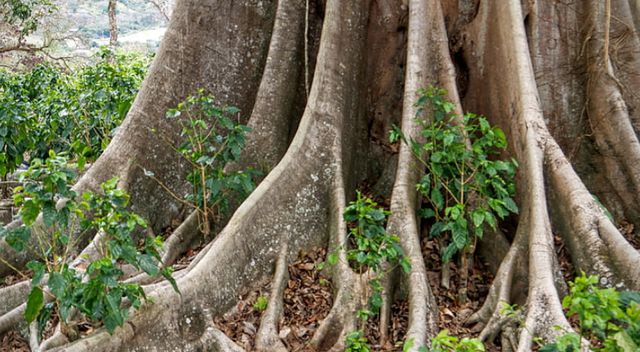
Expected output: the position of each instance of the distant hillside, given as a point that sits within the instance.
(90, 17)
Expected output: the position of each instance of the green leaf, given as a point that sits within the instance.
(406, 265)
(57, 284)
(148, 264)
(510, 205)
(44, 316)
(49, 214)
(628, 297)
(332, 259)
(460, 237)
(38, 272)
(426, 213)
(625, 342)
(436, 198)
(478, 217)
(436, 229)
(166, 273)
(18, 238)
(35, 303)
(29, 212)
(395, 134)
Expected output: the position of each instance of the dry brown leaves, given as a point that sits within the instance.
(307, 300)
(564, 259)
(12, 341)
(627, 230)
(452, 314)
(242, 322)
(398, 328)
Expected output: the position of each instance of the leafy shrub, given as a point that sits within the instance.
(356, 342)
(444, 342)
(609, 319)
(464, 186)
(49, 109)
(95, 290)
(212, 138)
(372, 246)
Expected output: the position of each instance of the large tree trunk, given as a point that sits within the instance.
(322, 83)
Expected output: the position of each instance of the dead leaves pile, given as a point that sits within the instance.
(307, 300)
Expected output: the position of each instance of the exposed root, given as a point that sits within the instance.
(216, 339)
(56, 340)
(490, 315)
(389, 282)
(12, 318)
(267, 338)
(332, 332)
(34, 341)
(13, 296)
(181, 239)
(594, 251)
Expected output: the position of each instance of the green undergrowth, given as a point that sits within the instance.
(212, 138)
(54, 220)
(78, 112)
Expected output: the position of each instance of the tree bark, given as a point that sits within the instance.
(113, 23)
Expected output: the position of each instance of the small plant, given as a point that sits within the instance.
(261, 303)
(356, 342)
(608, 319)
(444, 342)
(212, 139)
(372, 246)
(464, 187)
(93, 291)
